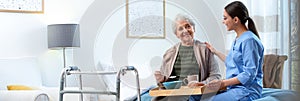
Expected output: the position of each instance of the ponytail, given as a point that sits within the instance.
(238, 9)
(251, 26)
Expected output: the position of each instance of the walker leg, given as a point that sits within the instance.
(122, 71)
(61, 87)
(80, 81)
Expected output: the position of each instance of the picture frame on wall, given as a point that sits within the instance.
(22, 6)
(145, 19)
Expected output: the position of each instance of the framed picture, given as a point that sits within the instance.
(145, 18)
(22, 6)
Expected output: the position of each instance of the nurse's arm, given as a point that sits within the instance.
(229, 82)
(216, 52)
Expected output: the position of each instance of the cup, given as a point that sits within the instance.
(190, 78)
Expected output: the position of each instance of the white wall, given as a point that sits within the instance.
(25, 34)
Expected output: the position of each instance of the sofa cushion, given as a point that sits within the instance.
(25, 95)
(22, 71)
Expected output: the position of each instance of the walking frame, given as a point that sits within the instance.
(75, 70)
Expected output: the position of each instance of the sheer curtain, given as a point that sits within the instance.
(295, 44)
(271, 20)
(267, 17)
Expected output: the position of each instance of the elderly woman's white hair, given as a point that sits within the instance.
(180, 17)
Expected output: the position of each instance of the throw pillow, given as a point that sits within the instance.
(20, 87)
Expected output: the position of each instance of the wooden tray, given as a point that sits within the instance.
(184, 90)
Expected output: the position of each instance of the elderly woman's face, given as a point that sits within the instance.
(184, 31)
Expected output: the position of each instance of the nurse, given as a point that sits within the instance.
(244, 61)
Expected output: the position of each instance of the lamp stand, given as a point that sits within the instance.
(64, 58)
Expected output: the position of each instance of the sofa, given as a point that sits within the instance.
(24, 79)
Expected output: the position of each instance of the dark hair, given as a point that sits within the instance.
(238, 9)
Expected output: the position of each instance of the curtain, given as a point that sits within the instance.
(266, 15)
(295, 44)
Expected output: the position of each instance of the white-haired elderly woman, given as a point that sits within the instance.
(188, 57)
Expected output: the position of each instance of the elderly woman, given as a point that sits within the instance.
(188, 57)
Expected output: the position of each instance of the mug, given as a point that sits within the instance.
(190, 78)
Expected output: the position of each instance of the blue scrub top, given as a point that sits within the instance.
(244, 61)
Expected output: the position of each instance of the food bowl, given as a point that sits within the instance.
(172, 84)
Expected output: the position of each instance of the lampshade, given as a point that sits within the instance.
(63, 36)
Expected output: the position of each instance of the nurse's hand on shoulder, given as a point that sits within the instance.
(210, 47)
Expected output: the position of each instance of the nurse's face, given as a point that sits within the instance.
(228, 21)
(184, 31)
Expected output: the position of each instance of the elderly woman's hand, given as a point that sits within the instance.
(159, 77)
(195, 84)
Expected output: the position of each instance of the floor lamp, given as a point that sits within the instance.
(62, 36)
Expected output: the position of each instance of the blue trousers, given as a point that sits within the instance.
(235, 94)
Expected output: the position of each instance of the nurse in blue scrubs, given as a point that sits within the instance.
(244, 61)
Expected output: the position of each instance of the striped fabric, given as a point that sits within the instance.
(185, 63)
